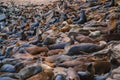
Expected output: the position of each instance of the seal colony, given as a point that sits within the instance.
(62, 40)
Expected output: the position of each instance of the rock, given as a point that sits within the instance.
(115, 50)
(8, 68)
(29, 71)
(115, 75)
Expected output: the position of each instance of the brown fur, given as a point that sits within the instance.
(84, 39)
(65, 28)
(111, 26)
(54, 52)
(72, 74)
(93, 59)
(109, 37)
(50, 64)
(36, 50)
(102, 67)
(81, 67)
(44, 75)
(114, 17)
(72, 63)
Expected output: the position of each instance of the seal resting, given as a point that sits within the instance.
(88, 74)
(72, 74)
(84, 48)
(101, 67)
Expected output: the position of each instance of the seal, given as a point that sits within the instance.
(72, 74)
(59, 77)
(112, 3)
(101, 67)
(38, 41)
(88, 74)
(83, 39)
(85, 48)
(82, 18)
(60, 45)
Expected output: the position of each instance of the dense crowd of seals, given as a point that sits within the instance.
(63, 40)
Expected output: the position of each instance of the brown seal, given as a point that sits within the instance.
(36, 49)
(72, 74)
(101, 67)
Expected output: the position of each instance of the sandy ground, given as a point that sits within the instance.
(21, 2)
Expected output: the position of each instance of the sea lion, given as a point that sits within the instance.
(88, 74)
(7, 78)
(101, 67)
(82, 18)
(36, 49)
(58, 58)
(59, 77)
(46, 74)
(112, 3)
(23, 35)
(103, 77)
(111, 37)
(54, 52)
(38, 41)
(72, 74)
(83, 39)
(8, 51)
(61, 45)
(84, 48)
(72, 63)
(48, 41)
